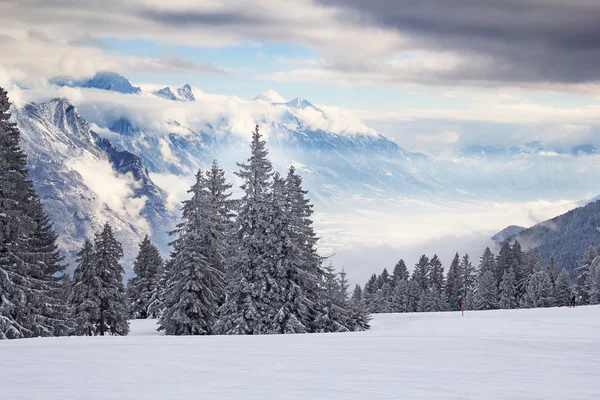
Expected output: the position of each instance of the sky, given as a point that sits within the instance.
(435, 76)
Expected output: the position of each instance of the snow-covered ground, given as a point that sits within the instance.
(523, 354)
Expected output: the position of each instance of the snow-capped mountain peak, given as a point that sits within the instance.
(102, 80)
(184, 93)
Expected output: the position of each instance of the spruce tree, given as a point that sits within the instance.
(508, 290)
(335, 315)
(421, 273)
(148, 269)
(370, 293)
(195, 281)
(400, 272)
(250, 292)
(487, 262)
(289, 310)
(31, 300)
(467, 277)
(359, 314)
(113, 310)
(593, 283)
(583, 274)
(436, 274)
(84, 302)
(486, 295)
(303, 236)
(562, 289)
(453, 285)
(539, 292)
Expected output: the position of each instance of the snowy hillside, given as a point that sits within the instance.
(84, 181)
(519, 354)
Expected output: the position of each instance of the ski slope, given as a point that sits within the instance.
(519, 354)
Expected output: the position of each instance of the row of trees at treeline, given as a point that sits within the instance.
(511, 279)
(247, 266)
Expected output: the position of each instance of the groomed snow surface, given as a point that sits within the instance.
(518, 354)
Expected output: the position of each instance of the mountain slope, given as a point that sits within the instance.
(84, 182)
(565, 237)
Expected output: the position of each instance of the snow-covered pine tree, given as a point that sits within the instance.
(593, 282)
(148, 268)
(84, 302)
(335, 315)
(359, 313)
(195, 281)
(583, 273)
(303, 235)
(453, 285)
(31, 301)
(436, 274)
(468, 277)
(508, 290)
(486, 294)
(432, 300)
(383, 278)
(157, 299)
(553, 270)
(369, 294)
(504, 261)
(46, 300)
(539, 292)
(400, 272)
(384, 298)
(487, 262)
(421, 273)
(249, 290)
(562, 289)
(113, 298)
(288, 311)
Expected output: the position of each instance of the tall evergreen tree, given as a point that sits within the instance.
(562, 289)
(370, 293)
(148, 268)
(421, 273)
(302, 234)
(436, 274)
(539, 291)
(113, 309)
(400, 272)
(453, 285)
(250, 291)
(486, 295)
(359, 313)
(583, 273)
(468, 276)
(593, 283)
(335, 315)
(85, 296)
(289, 310)
(224, 205)
(508, 290)
(504, 261)
(31, 301)
(487, 262)
(195, 279)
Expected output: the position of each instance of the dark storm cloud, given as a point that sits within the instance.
(187, 17)
(528, 40)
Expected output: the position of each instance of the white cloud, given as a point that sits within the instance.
(114, 190)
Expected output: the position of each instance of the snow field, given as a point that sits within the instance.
(508, 354)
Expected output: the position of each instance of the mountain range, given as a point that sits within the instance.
(89, 168)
